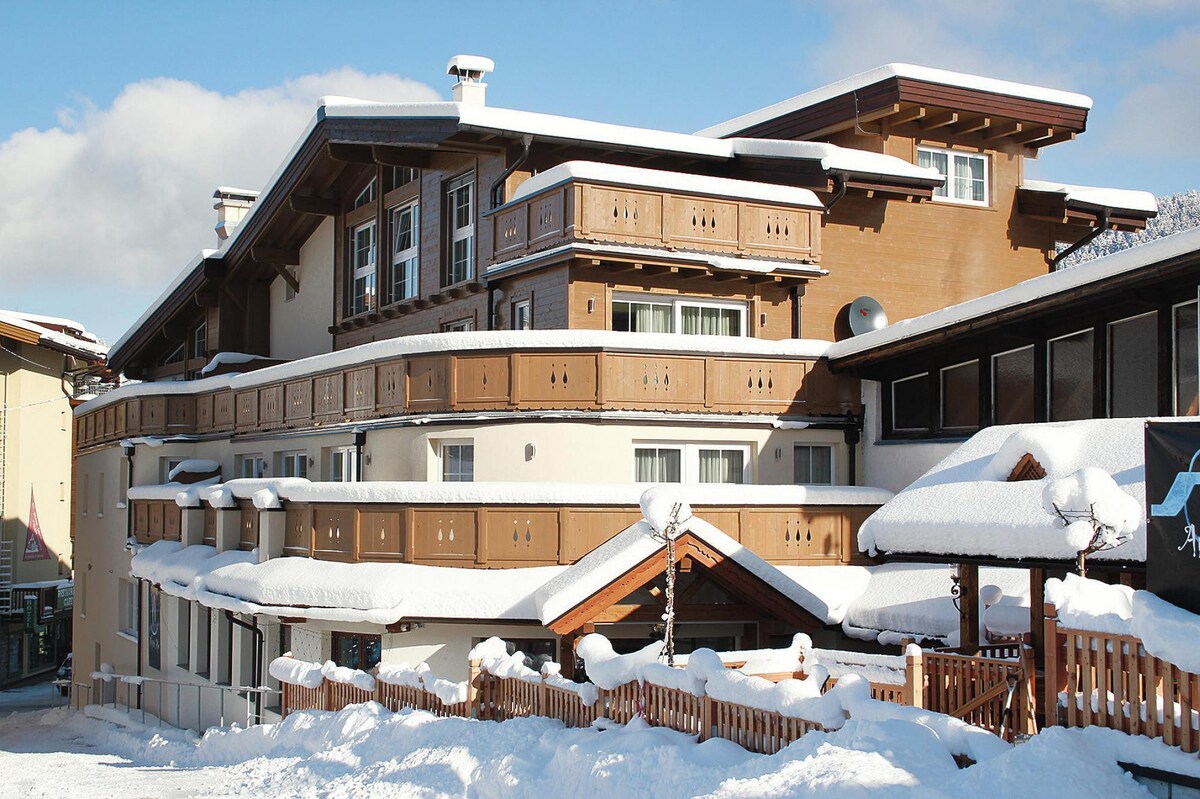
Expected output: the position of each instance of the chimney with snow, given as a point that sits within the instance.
(470, 69)
(231, 206)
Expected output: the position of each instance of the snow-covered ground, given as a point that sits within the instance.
(367, 751)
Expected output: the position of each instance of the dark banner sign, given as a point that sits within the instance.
(1173, 500)
(154, 623)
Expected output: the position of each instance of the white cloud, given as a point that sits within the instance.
(123, 194)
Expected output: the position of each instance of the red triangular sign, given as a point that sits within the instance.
(35, 545)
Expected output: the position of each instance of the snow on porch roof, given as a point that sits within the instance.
(1129, 199)
(965, 505)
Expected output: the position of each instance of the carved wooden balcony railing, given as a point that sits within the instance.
(502, 536)
(571, 379)
(584, 211)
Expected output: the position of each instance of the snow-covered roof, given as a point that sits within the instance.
(57, 333)
(965, 506)
(475, 340)
(837, 159)
(178, 280)
(944, 77)
(1129, 199)
(667, 181)
(1139, 257)
(723, 263)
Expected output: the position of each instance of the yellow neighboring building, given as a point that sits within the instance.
(43, 363)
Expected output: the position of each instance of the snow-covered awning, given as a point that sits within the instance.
(61, 335)
(1096, 197)
(965, 506)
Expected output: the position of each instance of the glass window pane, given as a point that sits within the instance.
(822, 466)
(654, 465)
(1012, 387)
(1133, 367)
(1071, 376)
(709, 321)
(802, 464)
(960, 396)
(1187, 384)
(722, 466)
(910, 403)
(642, 317)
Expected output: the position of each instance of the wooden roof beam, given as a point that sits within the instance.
(289, 278)
(935, 121)
(1003, 131)
(972, 125)
(910, 115)
(861, 119)
(1034, 134)
(402, 156)
(312, 204)
(351, 153)
(275, 255)
(1059, 136)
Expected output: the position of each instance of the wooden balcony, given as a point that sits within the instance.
(583, 379)
(505, 536)
(581, 210)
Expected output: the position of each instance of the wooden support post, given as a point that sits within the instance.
(1037, 619)
(914, 674)
(474, 671)
(1052, 667)
(968, 603)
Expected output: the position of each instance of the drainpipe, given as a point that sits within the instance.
(130, 449)
(839, 190)
(491, 309)
(360, 440)
(497, 190)
(140, 635)
(255, 675)
(1101, 226)
(852, 435)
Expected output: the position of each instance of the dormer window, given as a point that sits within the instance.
(966, 174)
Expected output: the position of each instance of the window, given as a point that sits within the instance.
(127, 596)
(458, 325)
(366, 196)
(83, 494)
(1070, 367)
(402, 283)
(688, 316)
(960, 396)
(362, 260)
(813, 464)
(460, 207)
(1186, 347)
(522, 315)
(176, 355)
(251, 466)
(200, 340)
(81, 581)
(458, 463)
(1012, 386)
(165, 467)
(402, 176)
(1133, 366)
(183, 632)
(910, 403)
(293, 464)
(691, 463)
(100, 495)
(154, 628)
(203, 640)
(356, 650)
(289, 293)
(537, 651)
(966, 174)
(343, 465)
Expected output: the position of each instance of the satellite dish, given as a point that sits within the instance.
(866, 314)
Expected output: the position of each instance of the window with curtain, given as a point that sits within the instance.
(813, 464)
(711, 321)
(1133, 366)
(965, 173)
(1012, 386)
(642, 317)
(1186, 345)
(405, 250)
(691, 463)
(689, 316)
(658, 465)
(1071, 377)
(721, 466)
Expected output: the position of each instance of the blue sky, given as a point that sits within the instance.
(120, 118)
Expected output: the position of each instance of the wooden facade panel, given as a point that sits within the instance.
(223, 410)
(181, 413)
(89, 428)
(121, 422)
(510, 230)
(110, 421)
(429, 382)
(481, 381)
(154, 414)
(653, 382)
(756, 384)
(172, 521)
(558, 380)
(141, 517)
(248, 527)
(359, 391)
(588, 528)
(774, 231)
(522, 535)
(155, 527)
(247, 410)
(548, 219)
(327, 395)
(695, 221)
(333, 532)
(444, 534)
(298, 537)
(298, 401)
(204, 413)
(270, 406)
(381, 534)
(622, 215)
(133, 416)
(210, 526)
(783, 535)
(389, 385)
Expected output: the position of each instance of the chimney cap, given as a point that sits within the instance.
(470, 67)
(231, 193)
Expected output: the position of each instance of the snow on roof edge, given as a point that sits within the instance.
(1131, 199)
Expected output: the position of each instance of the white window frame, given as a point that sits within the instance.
(459, 325)
(677, 304)
(166, 465)
(257, 463)
(127, 608)
(408, 259)
(363, 301)
(348, 471)
(366, 196)
(689, 460)
(292, 464)
(810, 446)
(948, 191)
(466, 233)
(942, 396)
(399, 171)
(895, 428)
(443, 463)
(1175, 349)
(200, 340)
(522, 309)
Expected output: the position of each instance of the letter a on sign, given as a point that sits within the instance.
(35, 545)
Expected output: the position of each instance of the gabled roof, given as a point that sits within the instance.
(62, 335)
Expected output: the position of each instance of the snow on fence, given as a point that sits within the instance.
(1107, 679)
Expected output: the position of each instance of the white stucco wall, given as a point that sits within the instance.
(894, 464)
(300, 326)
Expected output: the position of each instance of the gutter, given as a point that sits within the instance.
(1101, 227)
(496, 192)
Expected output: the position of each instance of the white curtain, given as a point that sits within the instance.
(711, 321)
(657, 465)
(722, 466)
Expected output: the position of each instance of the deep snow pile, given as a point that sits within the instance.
(367, 751)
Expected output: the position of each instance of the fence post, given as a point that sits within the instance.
(706, 716)
(326, 694)
(1051, 677)
(914, 673)
(474, 675)
(1029, 701)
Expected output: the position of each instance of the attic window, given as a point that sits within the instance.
(1027, 468)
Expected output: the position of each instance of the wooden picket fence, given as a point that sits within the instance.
(1103, 680)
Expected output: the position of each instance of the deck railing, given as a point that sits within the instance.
(1096, 679)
